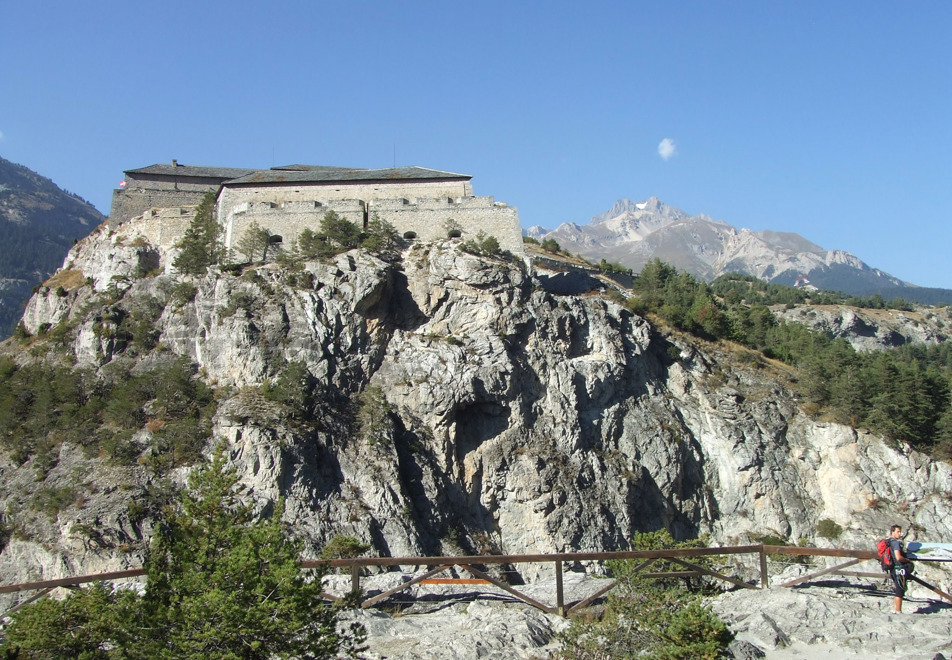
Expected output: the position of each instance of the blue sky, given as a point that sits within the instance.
(828, 119)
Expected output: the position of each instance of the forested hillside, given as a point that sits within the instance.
(38, 224)
(901, 393)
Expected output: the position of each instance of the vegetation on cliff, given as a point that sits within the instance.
(43, 406)
(903, 393)
(220, 586)
(649, 618)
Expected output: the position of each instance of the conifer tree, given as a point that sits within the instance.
(200, 246)
(220, 587)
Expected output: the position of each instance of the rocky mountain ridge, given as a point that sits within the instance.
(633, 233)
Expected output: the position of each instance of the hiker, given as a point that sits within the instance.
(899, 567)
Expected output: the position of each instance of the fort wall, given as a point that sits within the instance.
(162, 227)
(428, 218)
(128, 203)
(287, 219)
(232, 196)
(163, 205)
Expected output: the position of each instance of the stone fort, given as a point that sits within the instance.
(286, 200)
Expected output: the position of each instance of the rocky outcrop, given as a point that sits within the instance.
(836, 618)
(510, 419)
(873, 329)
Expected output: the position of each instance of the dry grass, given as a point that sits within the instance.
(69, 279)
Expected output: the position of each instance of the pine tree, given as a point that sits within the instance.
(200, 246)
(220, 586)
(254, 243)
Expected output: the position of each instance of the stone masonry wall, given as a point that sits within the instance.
(162, 228)
(286, 212)
(233, 196)
(131, 202)
(286, 220)
(423, 208)
(158, 191)
(428, 218)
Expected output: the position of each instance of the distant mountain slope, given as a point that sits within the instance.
(634, 233)
(38, 224)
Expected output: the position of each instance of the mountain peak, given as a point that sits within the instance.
(633, 233)
(626, 207)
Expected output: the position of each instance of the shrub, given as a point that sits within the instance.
(183, 293)
(646, 618)
(453, 228)
(551, 245)
(344, 547)
(381, 236)
(373, 415)
(485, 245)
(409, 235)
(828, 529)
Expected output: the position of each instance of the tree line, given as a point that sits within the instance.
(902, 393)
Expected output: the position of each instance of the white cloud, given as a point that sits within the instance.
(1, 135)
(667, 149)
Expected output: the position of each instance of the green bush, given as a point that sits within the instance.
(551, 245)
(219, 585)
(41, 407)
(344, 547)
(381, 236)
(648, 618)
(483, 244)
(184, 293)
(828, 529)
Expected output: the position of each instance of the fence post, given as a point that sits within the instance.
(559, 594)
(355, 579)
(764, 579)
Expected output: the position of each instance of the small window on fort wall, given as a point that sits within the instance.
(275, 240)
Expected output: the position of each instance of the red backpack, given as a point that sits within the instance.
(886, 560)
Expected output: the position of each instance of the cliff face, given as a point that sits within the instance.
(461, 407)
(873, 329)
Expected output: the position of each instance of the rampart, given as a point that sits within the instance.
(286, 219)
(128, 203)
(428, 218)
(232, 196)
(161, 227)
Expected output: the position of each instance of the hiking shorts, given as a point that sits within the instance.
(898, 575)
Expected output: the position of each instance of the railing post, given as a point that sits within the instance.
(764, 579)
(355, 579)
(559, 593)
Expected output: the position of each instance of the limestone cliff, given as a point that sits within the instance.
(508, 418)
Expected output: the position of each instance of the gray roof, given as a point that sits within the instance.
(319, 174)
(300, 174)
(193, 170)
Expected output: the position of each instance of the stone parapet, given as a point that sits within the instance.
(161, 227)
(429, 219)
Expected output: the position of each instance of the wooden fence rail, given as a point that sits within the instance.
(472, 564)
